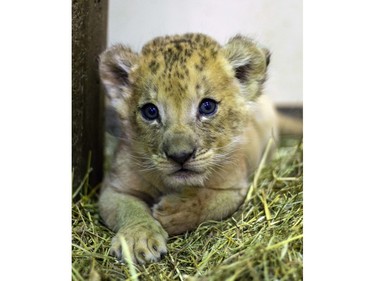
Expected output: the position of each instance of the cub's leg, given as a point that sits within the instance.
(182, 212)
(131, 218)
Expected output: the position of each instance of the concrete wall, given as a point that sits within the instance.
(276, 24)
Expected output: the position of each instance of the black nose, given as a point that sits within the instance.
(181, 157)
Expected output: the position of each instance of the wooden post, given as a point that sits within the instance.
(89, 32)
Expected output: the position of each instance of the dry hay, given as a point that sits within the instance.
(261, 241)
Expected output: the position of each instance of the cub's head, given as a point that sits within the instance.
(184, 102)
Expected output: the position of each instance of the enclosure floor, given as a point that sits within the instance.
(263, 240)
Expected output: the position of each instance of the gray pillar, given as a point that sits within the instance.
(89, 32)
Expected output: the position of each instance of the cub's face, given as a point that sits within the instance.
(184, 102)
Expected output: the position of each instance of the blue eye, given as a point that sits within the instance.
(207, 107)
(150, 112)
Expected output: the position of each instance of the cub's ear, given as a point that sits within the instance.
(115, 65)
(249, 62)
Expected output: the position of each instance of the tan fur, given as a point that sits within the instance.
(146, 196)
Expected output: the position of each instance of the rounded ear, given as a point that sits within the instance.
(249, 62)
(115, 65)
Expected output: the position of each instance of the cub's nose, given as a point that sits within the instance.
(181, 157)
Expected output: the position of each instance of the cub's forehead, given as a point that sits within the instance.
(181, 45)
(178, 54)
(181, 65)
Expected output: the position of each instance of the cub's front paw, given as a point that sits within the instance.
(177, 214)
(146, 242)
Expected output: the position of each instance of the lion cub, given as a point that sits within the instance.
(195, 125)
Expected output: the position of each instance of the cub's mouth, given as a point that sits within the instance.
(185, 177)
(183, 172)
